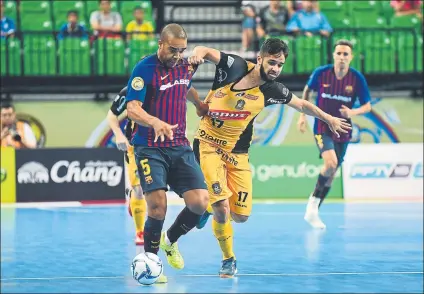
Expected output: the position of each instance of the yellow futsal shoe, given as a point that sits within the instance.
(172, 253)
(162, 279)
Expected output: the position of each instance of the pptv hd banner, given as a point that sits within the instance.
(383, 171)
(69, 174)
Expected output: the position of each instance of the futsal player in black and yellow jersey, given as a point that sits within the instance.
(239, 93)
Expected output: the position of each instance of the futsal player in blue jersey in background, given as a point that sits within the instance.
(158, 89)
(337, 86)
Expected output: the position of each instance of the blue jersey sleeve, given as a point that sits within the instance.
(141, 77)
(313, 80)
(363, 90)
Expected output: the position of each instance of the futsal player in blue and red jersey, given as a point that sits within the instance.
(337, 86)
(158, 91)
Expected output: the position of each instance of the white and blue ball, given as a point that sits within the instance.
(146, 268)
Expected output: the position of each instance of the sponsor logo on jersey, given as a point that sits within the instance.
(176, 82)
(225, 156)
(241, 94)
(275, 101)
(229, 115)
(230, 61)
(219, 94)
(222, 75)
(206, 136)
(240, 104)
(336, 97)
(251, 97)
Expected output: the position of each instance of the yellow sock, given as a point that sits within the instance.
(138, 210)
(224, 235)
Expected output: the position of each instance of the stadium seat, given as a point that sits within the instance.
(110, 57)
(10, 53)
(334, 10)
(140, 48)
(61, 8)
(407, 21)
(94, 5)
(341, 22)
(379, 53)
(370, 22)
(74, 57)
(311, 53)
(39, 55)
(11, 11)
(36, 15)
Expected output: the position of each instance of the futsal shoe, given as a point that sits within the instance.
(228, 268)
(311, 215)
(139, 238)
(203, 220)
(172, 253)
(128, 197)
(162, 279)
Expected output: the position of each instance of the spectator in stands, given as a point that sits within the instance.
(138, 29)
(295, 5)
(106, 23)
(309, 22)
(7, 24)
(72, 29)
(272, 20)
(250, 10)
(15, 133)
(406, 7)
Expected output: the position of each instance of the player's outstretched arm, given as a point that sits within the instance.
(121, 141)
(202, 53)
(140, 116)
(336, 124)
(301, 122)
(201, 107)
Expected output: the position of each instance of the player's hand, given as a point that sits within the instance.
(194, 59)
(346, 111)
(202, 109)
(301, 123)
(162, 130)
(122, 142)
(338, 125)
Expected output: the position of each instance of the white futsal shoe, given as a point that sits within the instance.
(311, 215)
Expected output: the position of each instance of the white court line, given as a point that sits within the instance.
(238, 275)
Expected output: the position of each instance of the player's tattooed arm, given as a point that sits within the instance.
(201, 54)
(336, 124)
(136, 113)
(121, 141)
(201, 107)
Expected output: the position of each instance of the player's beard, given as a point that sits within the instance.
(264, 76)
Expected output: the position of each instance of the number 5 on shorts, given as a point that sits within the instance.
(146, 167)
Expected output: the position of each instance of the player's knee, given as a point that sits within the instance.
(138, 192)
(221, 211)
(238, 218)
(330, 166)
(156, 205)
(198, 201)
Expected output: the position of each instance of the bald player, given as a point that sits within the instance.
(158, 90)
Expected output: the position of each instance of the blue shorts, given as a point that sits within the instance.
(174, 166)
(248, 23)
(326, 142)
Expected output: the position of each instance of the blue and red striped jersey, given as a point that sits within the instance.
(333, 93)
(163, 92)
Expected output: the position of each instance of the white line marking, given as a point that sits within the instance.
(238, 275)
(41, 204)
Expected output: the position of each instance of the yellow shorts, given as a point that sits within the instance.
(132, 167)
(228, 176)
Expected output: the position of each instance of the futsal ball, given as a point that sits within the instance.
(146, 268)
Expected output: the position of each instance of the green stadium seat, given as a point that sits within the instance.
(407, 21)
(420, 53)
(370, 22)
(140, 48)
(39, 55)
(311, 52)
(10, 52)
(35, 6)
(365, 5)
(386, 10)
(11, 11)
(110, 57)
(36, 15)
(74, 57)
(379, 53)
(36, 23)
(61, 8)
(341, 22)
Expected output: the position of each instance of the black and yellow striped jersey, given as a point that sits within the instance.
(229, 122)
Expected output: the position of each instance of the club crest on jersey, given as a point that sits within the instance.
(240, 104)
(190, 69)
(149, 180)
(349, 89)
(137, 83)
(216, 187)
(219, 94)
